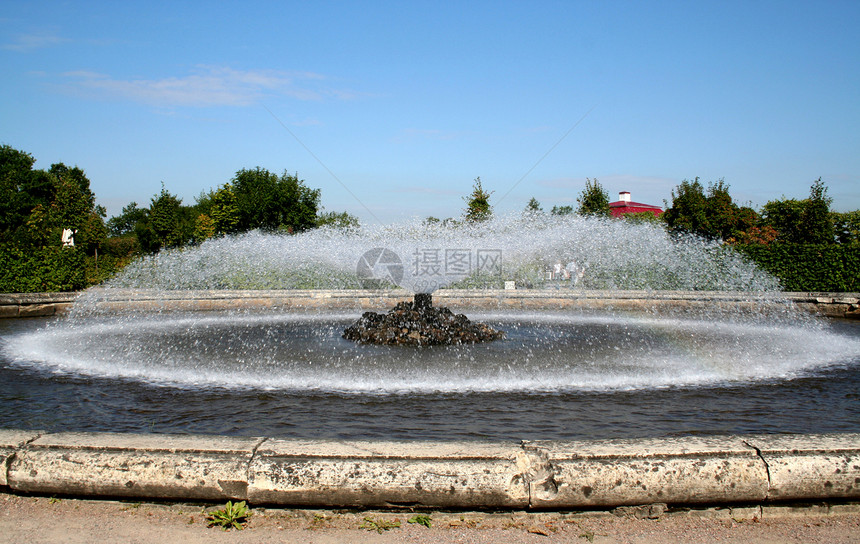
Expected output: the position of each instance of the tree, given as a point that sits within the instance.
(561, 210)
(162, 228)
(594, 200)
(713, 214)
(342, 220)
(846, 227)
(224, 210)
(533, 206)
(22, 189)
(204, 228)
(74, 208)
(36, 205)
(719, 211)
(478, 204)
(268, 202)
(125, 222)
(784, 216)
(805, 221)
(689, 208)
(815, 222)
(725, 219)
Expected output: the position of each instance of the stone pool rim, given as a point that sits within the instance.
(696, 471)
(18, 305)
(510, 475)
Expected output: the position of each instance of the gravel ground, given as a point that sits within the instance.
(41, 519)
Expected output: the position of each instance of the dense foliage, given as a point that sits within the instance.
(712, 214)
(809, 267)
(805, 245)
(266, 201)
(594, 200)
(36, 206)
(478, 204)
(801, 242)
(41, 269)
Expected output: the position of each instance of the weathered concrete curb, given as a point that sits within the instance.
(467, 475)
(846, 305)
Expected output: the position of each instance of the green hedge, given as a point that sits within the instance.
(809, 267)
(799, 267)
(41, 270)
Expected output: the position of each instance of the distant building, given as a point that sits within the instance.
(625, 205)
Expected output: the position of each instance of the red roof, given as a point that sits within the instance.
(619, 208)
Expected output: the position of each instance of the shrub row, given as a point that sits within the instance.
(41, 270)
(799, 267)
(809, 267)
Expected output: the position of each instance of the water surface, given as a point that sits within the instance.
(555, 376)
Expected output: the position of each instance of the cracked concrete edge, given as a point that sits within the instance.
(799, 470)
(690, 470)
(550, 475)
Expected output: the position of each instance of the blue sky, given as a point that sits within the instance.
(393, 108)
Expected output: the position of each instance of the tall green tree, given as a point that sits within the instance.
(338, 220)
(127, 220)
(74, 207)
(593, 200)
(846, 226)
(36, 205)
(478, 206)
(725, 219)
(561, 210)
(806, 221)
(816, 222)
(224, 210)
(784, 216)
(688, 212)
(269, 202)
(712, 214)
(533, 206)
(163, 225)
(22, 189)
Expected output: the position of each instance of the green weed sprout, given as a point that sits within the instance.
(421, 519)
(233, 516)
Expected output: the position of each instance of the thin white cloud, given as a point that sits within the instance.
(23, 43)
(209, 86)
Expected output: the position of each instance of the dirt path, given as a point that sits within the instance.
(35, 520)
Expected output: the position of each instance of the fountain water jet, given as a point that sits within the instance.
(423, 258)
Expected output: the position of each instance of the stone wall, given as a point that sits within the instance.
(476, 475)
(842, 305)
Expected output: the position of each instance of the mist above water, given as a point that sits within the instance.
(596, 253)
(541, 353)
(545, 352)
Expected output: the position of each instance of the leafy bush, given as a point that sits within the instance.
(41, 270)
(809, 267)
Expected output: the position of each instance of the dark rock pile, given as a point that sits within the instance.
(419, 323)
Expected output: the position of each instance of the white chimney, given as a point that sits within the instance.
(624, 196)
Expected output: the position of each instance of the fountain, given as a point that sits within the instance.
(419, 323)
(556, 373)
